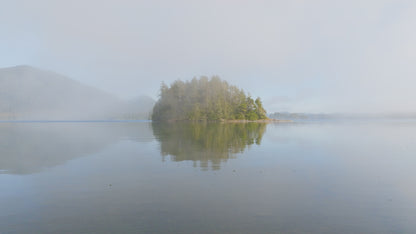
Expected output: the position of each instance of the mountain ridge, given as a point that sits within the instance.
(27, 92)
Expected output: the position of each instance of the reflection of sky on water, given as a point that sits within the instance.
(320, 178)
(27, 147)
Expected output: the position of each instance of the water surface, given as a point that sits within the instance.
(141, 177)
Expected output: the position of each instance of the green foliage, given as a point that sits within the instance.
(205, 99)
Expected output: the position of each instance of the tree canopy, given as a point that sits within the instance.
(206, 99)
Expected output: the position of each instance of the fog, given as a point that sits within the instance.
(298, 56)
(28, 93)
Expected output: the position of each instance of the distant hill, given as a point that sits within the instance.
(340, 116)
(296, 116)
(306, 116)
(30, 93)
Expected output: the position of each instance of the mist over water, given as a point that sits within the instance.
(321, 177)
(79, 80)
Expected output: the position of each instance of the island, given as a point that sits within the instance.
(206, 99)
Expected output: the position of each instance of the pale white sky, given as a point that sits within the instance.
(299, 56)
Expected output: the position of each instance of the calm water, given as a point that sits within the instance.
(214, 178)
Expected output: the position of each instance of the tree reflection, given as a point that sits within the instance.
(206, 143)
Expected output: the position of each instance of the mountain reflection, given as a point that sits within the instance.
(27, 148)
(208, 144)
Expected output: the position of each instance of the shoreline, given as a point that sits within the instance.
(142, 120)
(257, 121)
(229, 121)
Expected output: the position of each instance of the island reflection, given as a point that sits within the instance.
(206, 144)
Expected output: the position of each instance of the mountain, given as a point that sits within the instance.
(30, 93)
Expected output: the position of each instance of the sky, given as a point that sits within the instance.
(298, 56)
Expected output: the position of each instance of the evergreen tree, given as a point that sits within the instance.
(205, 99)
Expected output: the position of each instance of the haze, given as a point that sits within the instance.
(299, 56)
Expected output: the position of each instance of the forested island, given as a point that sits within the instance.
(206, 99)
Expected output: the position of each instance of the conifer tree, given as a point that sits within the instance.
(205, 99)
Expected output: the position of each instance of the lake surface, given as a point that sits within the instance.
(142, 177)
